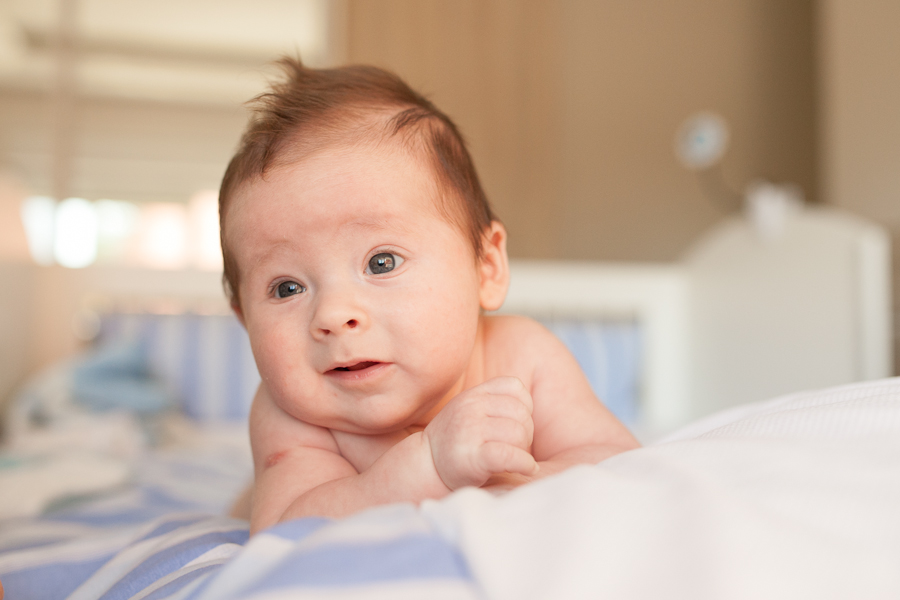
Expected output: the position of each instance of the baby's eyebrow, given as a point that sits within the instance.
(371, 224)
(276, 248)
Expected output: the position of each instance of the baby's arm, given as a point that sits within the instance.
(571, 426)
(482, 432)
(300, 470)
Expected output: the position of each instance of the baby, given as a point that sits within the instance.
(361, 255)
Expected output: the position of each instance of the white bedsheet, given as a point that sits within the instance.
(793, 498)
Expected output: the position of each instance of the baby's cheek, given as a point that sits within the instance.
(452, 340)
(285, 383)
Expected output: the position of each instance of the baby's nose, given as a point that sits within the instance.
(350, 324)
(338, 315)
(322, 332)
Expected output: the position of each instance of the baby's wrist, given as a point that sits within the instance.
(429, 467)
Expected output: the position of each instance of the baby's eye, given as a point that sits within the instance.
(288, 288)
(383, 262)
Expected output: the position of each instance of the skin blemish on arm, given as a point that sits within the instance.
(275, 458)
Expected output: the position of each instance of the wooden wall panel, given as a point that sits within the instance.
(571, 107)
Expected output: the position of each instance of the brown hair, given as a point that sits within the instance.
(312, 108)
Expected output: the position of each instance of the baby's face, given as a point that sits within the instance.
(361, 301)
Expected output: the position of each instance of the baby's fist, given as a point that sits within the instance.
(483, 431)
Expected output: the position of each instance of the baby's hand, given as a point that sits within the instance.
(485, 430)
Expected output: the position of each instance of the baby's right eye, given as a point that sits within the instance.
(288, 288)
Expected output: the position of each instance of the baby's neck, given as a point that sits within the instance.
(473, 375)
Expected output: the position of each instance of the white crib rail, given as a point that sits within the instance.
(655, 295)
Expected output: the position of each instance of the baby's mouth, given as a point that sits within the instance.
(350, 373)
(357, 367)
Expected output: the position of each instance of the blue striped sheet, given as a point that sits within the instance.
(609, 353)
(413, 557)
(183, 580)
(171, 559)
(161, 523)
(205, 359)
(117, 560)
(55, 569)
(54, 580)
(135, 506)
(391, 549)
(186, 556)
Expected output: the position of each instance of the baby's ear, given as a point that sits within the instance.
(494, 267)
(236, 309)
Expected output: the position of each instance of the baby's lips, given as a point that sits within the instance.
(364, 372)
(355, 366)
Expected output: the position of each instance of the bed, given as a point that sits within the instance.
(123, 494)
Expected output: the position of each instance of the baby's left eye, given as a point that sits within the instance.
(288, 288)
(383, 263)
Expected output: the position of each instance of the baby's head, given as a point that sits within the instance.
(316, 110)
(359, 249)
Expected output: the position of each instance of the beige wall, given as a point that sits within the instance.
(494, 68)
(124, 149)
(860, 98)
(860, 113)
(571, 107)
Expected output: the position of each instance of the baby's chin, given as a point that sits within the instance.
(368, 415)
(377, 422)
(375, 426)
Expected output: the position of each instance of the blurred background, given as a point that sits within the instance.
(118, 117)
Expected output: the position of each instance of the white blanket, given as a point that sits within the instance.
(798, 497)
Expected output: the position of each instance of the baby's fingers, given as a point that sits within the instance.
(507, 407)
(499, 457)
(509, 386)
(509, 431)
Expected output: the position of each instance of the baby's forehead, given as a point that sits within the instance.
(363, 129)
(384, 167)
(385, 181)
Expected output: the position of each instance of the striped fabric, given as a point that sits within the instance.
(206, 359)
(609, 353)
(390, 552)
(116, 560)
(161, 531)
(208, 362)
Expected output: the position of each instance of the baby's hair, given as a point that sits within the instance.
(313, 109)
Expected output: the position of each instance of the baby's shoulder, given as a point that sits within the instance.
(513, 341)
(513, 328)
